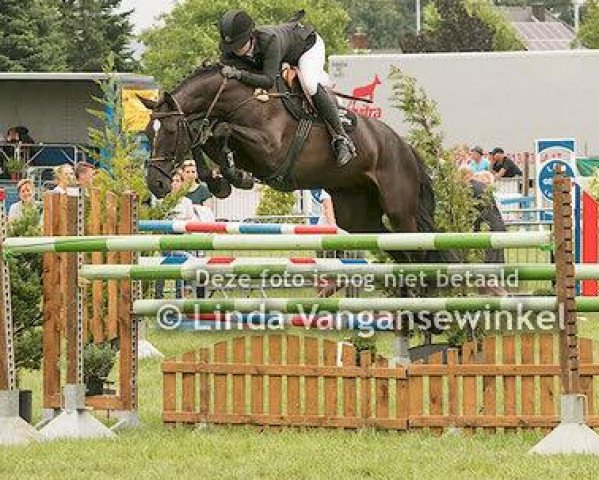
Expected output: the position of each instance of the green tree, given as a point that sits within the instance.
(273, 202)
(114, 146)
(456, 208)
(118, 150)
(29, 39)
(454, 30)
(26, 293)
(189, 35)
(384, 21)
(588, 35)
(94, 29)
(505, 37)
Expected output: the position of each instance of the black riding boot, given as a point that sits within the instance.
(327, 109)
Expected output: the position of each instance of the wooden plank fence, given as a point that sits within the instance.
(503, 383)
(106, 305)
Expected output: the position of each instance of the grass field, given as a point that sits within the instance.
(218, 452)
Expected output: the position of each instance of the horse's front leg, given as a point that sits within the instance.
(225, 158)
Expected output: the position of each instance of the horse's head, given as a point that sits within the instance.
(173, 127)
(168, 134)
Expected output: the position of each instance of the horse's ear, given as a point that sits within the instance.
(170, 101)
(147, 102)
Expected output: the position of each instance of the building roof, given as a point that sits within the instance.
(545, 35)
(126, 78)
(539, 29)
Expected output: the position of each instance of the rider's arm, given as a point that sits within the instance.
(272, 64)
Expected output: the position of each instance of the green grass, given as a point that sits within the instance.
(155, 452)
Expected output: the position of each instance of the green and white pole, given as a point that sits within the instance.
(357, 305)
(385, 241)
(202, 269)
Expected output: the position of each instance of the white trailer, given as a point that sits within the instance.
(505, 99)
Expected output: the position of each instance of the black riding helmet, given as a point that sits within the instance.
(236, 28)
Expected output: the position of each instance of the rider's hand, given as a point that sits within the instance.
(231, 72)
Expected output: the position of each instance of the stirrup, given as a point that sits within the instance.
(344, 152)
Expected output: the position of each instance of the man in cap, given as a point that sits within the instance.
(503, 166)
(478, 161)
(265, 50)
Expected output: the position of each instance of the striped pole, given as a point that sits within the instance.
(357, 305)
(201, 241)
(183, 226)
(190, 268)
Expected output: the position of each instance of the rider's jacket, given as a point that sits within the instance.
(272, 46)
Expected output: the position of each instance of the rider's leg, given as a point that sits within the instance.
(314, 79)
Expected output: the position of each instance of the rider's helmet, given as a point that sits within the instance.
(236, 28)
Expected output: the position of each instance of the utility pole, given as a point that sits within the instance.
(418, 27)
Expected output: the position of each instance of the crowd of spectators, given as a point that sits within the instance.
(486, 166)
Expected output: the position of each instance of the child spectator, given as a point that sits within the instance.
(65, 180)
(26, 192)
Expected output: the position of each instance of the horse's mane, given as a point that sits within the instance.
(202, 69)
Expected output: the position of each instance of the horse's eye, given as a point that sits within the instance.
(156, 125)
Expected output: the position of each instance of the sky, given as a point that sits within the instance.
(146, 11)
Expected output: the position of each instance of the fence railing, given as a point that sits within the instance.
(505, 382)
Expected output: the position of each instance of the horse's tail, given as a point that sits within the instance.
(425, 217)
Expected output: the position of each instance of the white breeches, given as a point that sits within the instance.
(311, 67)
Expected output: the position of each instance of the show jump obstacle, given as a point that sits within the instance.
(112, 316)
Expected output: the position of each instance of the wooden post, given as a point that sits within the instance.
(52, 294)
(7, 359)
(127, 324)
(565, 284)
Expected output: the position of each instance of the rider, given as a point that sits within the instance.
(265, 49)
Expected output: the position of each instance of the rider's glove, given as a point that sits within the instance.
(231, 72)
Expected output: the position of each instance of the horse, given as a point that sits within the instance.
(247, 132)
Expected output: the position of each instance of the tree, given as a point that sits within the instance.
(28, 40)
(453, 29)
(94, 29)
(505, 37)
(384, 21)
(189, 35)
(588, 35)
(456, 208)
(26, 293)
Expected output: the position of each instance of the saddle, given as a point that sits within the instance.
(299, 104)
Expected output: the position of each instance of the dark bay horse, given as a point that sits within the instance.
(209, 114)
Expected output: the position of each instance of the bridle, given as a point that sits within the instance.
(185, 124)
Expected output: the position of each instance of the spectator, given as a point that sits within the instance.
(198, 193)
(84, 175)
(323, 207)
(184, 209)
(478, 161)
(479, 165)
(65, 180)
(18, 134)
(26, 192)
(490, 215)
(503, 166)
(461, 155)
